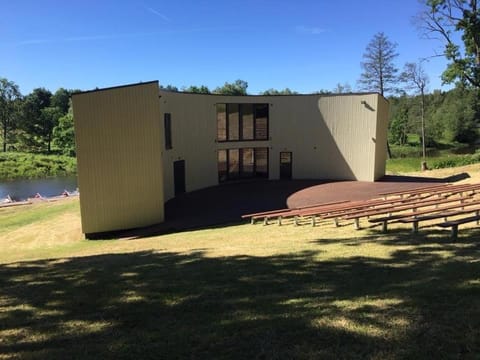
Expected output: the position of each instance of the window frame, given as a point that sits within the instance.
(167, 128)
(240, 131)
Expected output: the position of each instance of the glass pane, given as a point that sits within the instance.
(247, 162)
(285, 157)
(168, 130)
(233, 122)
(221, 122)
(261, 122)
(222, 165)
(261, 162)
(247, 121)
(233, 163)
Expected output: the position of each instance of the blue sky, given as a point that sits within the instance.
(305, 45)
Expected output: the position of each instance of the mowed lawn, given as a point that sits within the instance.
(235, 292)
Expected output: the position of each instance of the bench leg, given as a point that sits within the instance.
(295, 220)
(454, 232)
(265, 221)
(279, 221)
(476, 214)
(384, 226)
(415, 227)
(252, 220)
(314, 218)
(335, 221)
(356, 223)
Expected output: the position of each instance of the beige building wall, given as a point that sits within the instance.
(381, 138)
(119, 141)
(126, 174)
(330, 136)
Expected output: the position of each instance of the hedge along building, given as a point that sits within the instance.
(138, 146)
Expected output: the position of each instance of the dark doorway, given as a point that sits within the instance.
(285, 165)
(179, 176)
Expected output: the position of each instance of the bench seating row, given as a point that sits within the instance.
(412, 206)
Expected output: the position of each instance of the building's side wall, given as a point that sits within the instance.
(119, 140)
(381, 138)
(194, 130)
(331, 137)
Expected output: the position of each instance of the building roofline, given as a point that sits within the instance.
(218, 95)
(114, 87)
(275, 95)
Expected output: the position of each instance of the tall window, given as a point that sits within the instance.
(242, 163)
(261, 121)
(167, 123)
(242, 122)
(221, 122)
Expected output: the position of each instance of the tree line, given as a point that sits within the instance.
(40, 122)
(43, 121)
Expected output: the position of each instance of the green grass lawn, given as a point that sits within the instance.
(241, 291)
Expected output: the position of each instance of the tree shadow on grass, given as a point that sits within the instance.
(417, 303)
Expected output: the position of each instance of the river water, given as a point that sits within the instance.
(23, 189)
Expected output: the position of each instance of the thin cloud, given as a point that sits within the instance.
(86, 38)
(80, 38)
(301, 29)
(164, 17)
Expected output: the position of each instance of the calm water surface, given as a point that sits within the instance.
(23, 189)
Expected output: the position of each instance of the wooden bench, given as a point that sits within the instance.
(356, 216)
(454, 224)
(415, 220)
(266, 215)
(354, 206)
(445, 190)
(414, 191)
(415, 216)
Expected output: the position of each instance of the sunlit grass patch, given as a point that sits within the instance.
(237, 291)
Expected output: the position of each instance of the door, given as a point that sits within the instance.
(179, 176)
(285, 165)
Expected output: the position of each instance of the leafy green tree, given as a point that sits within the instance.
(61, 99)
(9, 100)
(33, 122)
(285, 91)
(379, 70)
(169, 88)
(458, 115)
(64, 134)
(239, 87)
(202, 89)
(49, 119)
(398, 126)
(446, 20)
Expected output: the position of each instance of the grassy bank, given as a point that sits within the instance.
(409, 158)
(15, 165)
(235, 292)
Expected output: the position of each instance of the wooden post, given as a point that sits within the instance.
(384, 226)
(356, 223)
(415, 227)
(454, 232)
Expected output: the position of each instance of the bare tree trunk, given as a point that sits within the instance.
(424, 149)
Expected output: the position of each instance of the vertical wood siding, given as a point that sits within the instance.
(119, 139)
